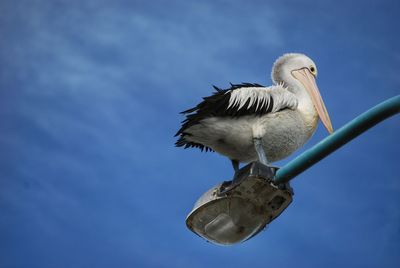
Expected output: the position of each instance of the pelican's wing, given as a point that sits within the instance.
(259, 100)
(239, 100)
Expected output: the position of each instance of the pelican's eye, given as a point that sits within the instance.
(312, 70)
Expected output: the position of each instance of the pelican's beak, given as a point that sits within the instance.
(308, 81)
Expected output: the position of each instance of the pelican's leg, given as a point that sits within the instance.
(229, 185)
(235, 165)
(263, 159)
(260, 151)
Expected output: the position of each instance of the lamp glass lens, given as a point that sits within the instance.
(229, 220)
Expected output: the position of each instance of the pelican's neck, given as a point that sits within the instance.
(305, 105)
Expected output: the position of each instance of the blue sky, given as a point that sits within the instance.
(90, 93)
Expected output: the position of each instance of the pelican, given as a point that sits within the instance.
(249, 122)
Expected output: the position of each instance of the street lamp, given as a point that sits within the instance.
(234, 211)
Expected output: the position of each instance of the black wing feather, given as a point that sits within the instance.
(217, 105)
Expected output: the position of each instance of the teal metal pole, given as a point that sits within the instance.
(339, 138)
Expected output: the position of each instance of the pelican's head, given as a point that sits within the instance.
(298, 72)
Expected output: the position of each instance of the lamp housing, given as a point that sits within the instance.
(234, 211)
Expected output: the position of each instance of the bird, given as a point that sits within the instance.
(250, 122)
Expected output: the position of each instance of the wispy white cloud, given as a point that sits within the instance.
(90, 95)
(109, 49)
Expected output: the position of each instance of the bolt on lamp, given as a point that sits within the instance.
(234, 211)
